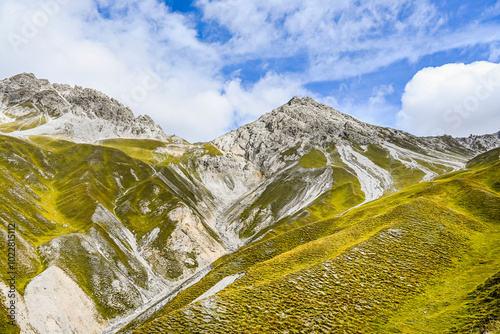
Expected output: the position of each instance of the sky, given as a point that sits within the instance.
(202, 68)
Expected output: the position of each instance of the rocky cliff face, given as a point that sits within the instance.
(129, 220)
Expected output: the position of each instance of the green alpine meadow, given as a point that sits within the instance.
(306, 220)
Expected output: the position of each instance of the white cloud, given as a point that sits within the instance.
(270, 92)
(455, 99)
(144, 55)
(341, 38)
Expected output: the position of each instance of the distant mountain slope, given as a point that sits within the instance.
(31, 106)
(481, 143)
(85, 209)
(421, 260)
(127, 216)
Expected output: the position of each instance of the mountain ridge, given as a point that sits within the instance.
(32, 106)
(303, 119)
(26, 89)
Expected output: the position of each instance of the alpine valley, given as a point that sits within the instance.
(304, 221)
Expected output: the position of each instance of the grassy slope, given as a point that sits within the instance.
(344, 193)
(421, 260)
(50, 189)
(55, 183)
(150, 151)
(403, 176)
(66, 179)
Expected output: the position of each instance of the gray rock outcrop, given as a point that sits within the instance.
(37, 107)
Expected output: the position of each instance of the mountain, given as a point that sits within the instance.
(481, 143)
(30, 106)
(119, 224)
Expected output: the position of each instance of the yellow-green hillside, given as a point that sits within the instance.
(423, 260)
(51, 190)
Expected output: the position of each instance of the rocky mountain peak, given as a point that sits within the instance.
(32, 106)
(308, 113)
(22, 86)
(482, 143)
(149, 220)
(298, 106)
(27, 80)
(302, 101)
(301, 122)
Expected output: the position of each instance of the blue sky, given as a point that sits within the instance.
(201, 68)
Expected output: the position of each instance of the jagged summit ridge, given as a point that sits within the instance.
(301, 120)
(31, 106)
(303, 123)
(482, 143)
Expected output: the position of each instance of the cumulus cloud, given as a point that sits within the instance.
(141, 53)
(74, 42)
(270, 92)
(455, 99)
(494, 52)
